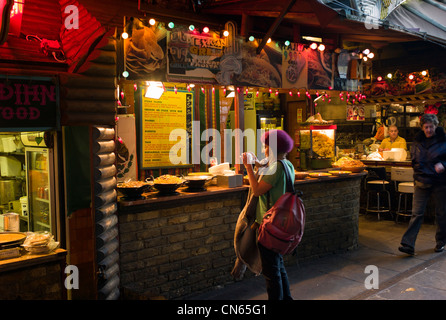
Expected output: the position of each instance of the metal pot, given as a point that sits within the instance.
(10, 190)
(197, 182)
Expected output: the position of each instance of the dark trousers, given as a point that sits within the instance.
(420, 200)
(275, 275)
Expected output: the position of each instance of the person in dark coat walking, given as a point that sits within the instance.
(429, 163)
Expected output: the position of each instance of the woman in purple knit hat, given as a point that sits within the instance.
(272, 184)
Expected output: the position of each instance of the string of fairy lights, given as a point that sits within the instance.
(156, 89)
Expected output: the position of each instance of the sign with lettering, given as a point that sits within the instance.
(166, 126)
(28, 103)
(194, 55)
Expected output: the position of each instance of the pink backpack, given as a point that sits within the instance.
(283, 224)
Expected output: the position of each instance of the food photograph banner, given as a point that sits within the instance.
(159, 117)
(260, 70)
(194, 55)
(320, 69)
(294, 63)
(145, 51)
(184, 55)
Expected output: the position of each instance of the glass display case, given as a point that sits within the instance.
(39, 188)
(317, 146)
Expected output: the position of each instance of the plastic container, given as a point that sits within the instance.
(219, 169)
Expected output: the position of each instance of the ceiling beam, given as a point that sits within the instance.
(274, 26)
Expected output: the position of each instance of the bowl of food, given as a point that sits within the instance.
(134, 189)
(300, 175)
(353, 169)
(168, 184)
(197, 182)
(349, 164)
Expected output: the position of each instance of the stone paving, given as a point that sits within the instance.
(342, 276)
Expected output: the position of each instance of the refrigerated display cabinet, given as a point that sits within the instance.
(40, 187)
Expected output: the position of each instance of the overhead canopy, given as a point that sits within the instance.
(424, 17)
(323, 18)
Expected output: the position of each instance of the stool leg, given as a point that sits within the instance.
(367, 203)
(377, 194)
(399, 207)
(405, 203)
(390, 206)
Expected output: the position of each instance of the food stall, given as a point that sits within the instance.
(178, 215)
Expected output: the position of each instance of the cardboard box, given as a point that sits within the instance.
(10, 166)
(402, 174)
(232, 181)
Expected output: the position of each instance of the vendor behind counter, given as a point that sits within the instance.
(393, 140)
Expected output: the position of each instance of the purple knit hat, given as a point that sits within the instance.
(284, 142)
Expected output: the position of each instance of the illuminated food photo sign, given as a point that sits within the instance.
(15, 23)
(5, 11)
(28, 103)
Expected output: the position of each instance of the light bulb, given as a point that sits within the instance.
(152, 22)
(321, 47)
(206, 30)
(124, 35)
(226, 33)
(313, 46)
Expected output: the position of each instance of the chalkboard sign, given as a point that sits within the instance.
(28, 103)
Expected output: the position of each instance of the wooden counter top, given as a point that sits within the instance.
(383, 163)
(27, 260)
(183, 193)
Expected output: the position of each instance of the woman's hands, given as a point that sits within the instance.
(258, 187)
(439, 168)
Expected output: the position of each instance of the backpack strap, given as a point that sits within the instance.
(289, 181)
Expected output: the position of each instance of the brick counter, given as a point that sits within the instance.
(173, 246)
(34, 277)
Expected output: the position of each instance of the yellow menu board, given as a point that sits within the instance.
(162, 120)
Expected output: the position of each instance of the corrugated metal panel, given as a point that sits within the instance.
(40, 18)
(107, 243)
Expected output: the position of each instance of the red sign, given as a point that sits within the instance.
(5, 12)
(28, 102)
